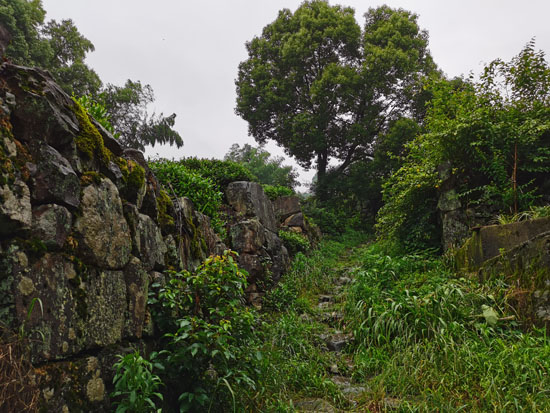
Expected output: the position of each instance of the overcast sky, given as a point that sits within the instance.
(189, 51)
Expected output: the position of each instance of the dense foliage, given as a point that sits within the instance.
(207, 334)
(269, 170)
(222, 173)
(185, 182)
(494, 135)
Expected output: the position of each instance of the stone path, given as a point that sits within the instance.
(335, 339)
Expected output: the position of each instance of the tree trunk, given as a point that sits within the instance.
(322, 164)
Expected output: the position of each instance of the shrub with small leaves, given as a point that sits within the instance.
(136, 387)
(208, 333)
(294, 242)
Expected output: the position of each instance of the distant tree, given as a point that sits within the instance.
(24, 19)
(67, 61)
(61, 49)
(57, 47)
(324, 89)
(269, 170)
(127, 110)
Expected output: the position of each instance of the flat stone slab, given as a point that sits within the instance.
(337, 342)
(346, 386)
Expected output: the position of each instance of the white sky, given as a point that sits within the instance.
(189, 51)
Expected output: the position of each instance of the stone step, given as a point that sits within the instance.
(346, 387)
(338, 341)
(326, 298)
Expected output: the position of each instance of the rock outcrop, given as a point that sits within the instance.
(253, 233)
(84, 228)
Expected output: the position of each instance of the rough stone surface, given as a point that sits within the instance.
(249, 200)
(248, 236)
(146, 237)
(284, 206)
(453, 219)
(295, 220)
(314, 405)
(137, 287)
(53, 178)
(526, 269)
(51, 224)
(84, 263)
(104, 236)
(488, 242)
(15, 208)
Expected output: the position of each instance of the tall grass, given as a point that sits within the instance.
(423, 340)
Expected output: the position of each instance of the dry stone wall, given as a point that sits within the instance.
(84, 228)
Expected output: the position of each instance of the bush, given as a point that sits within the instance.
(135, 384)
(221, 173)
(202, 191)
(208, 334)
(275, 191)
(294, 242)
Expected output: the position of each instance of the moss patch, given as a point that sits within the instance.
(164, 206)
(89, 141)
(90, 177)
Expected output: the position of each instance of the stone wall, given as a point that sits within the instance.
(84, 228)
(519, 255)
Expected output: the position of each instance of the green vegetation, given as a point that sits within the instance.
(221, 173)
(208, 334)
(493, 135)
(135, 384)
(202, 191)
(268, 170)
(323, 89)
(295, 242)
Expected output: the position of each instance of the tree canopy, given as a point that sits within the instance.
(324, 89)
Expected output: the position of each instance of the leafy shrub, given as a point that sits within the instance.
(294, 242)
(98, 111)
(202, 191)
(275, 191)
(221, 173)
(208, 333)
(135, 384)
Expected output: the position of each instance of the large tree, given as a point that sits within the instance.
(324, 89)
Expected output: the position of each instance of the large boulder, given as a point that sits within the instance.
(253, 233)
(286, 206)
(147, 238)
(249, 201)
(103, 233)
(53, 178)
(51, 224)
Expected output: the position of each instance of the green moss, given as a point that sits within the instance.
(136, 177)
(35, 248)
(90, 177)
(90, 142)
(164, 204)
